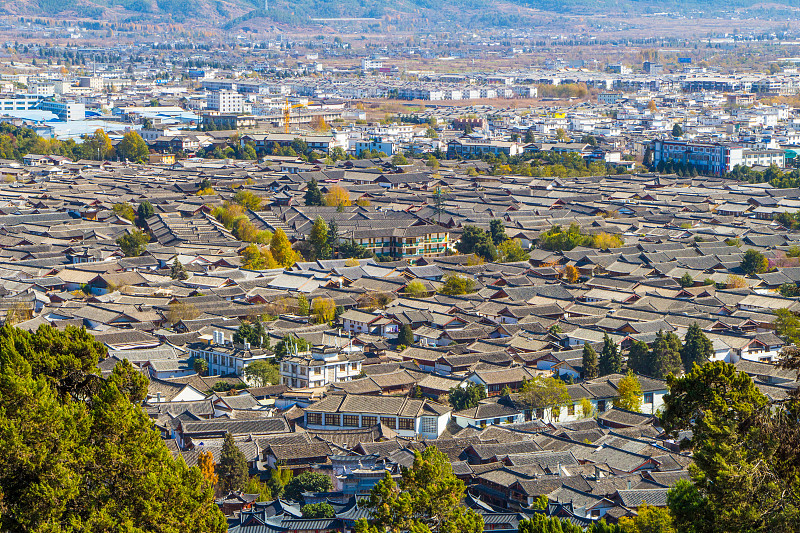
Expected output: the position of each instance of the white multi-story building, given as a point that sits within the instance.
(371, 64)
(321, 366)
(92, 82)
(764, 158)
(42, 88)
(226, 102)
(27, 102)
(225, 357)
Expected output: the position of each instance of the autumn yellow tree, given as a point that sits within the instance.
(337, 196)
(319, 124)
(324, 309)
(605, 241)
(19, 312)
(205, 460)
(257, 258)
(735, 282)
(281, 249)
(181, 311)
(571, 273)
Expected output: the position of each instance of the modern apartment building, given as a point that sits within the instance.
(477, 148)
(226, 101)
(321, 366)
(714, 158)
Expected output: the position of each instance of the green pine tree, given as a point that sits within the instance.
(697, 348)
(666, 357)
(640, 359)
(590, 365)
(406, 336)
(313, 194)
(232, 467)
(610, 358)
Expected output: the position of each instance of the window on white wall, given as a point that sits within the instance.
(428, 425)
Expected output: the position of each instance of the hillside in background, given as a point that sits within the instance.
(466, 13)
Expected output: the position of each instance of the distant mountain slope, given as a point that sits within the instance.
(488, 12)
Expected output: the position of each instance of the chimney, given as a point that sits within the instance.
(629, 484)
(158, 397)
(246, 345)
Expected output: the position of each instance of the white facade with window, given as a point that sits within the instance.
(226, 357)
(321, 366)
(408, 417)
(226, 102)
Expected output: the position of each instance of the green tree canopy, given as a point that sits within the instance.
(590, 368)
(253, 333)
(307, 482)
(557, 239)
(666, 356)
(546, 393)
(541, 523)
(178, 271)
(746, 471)
(232, 467)
(248, 200)
(318, 238)
(144, 211)
(640, 358)
(133, 148)
(648, 519)
(318, 510)
(262, 373)
(754, 263)
(461, 398)
(787, 325)
(456, 285)
(350, 249)
(256, 486)
(415, 289)
(129, 381)
(476, 241)
(303, 307)
(399, 159)
(133, 243)
(511, 251)
(497, 231)
(427, 499)
(406, 336)
(313, 194)
(697, 348)
(75, 452)
(610, 358)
